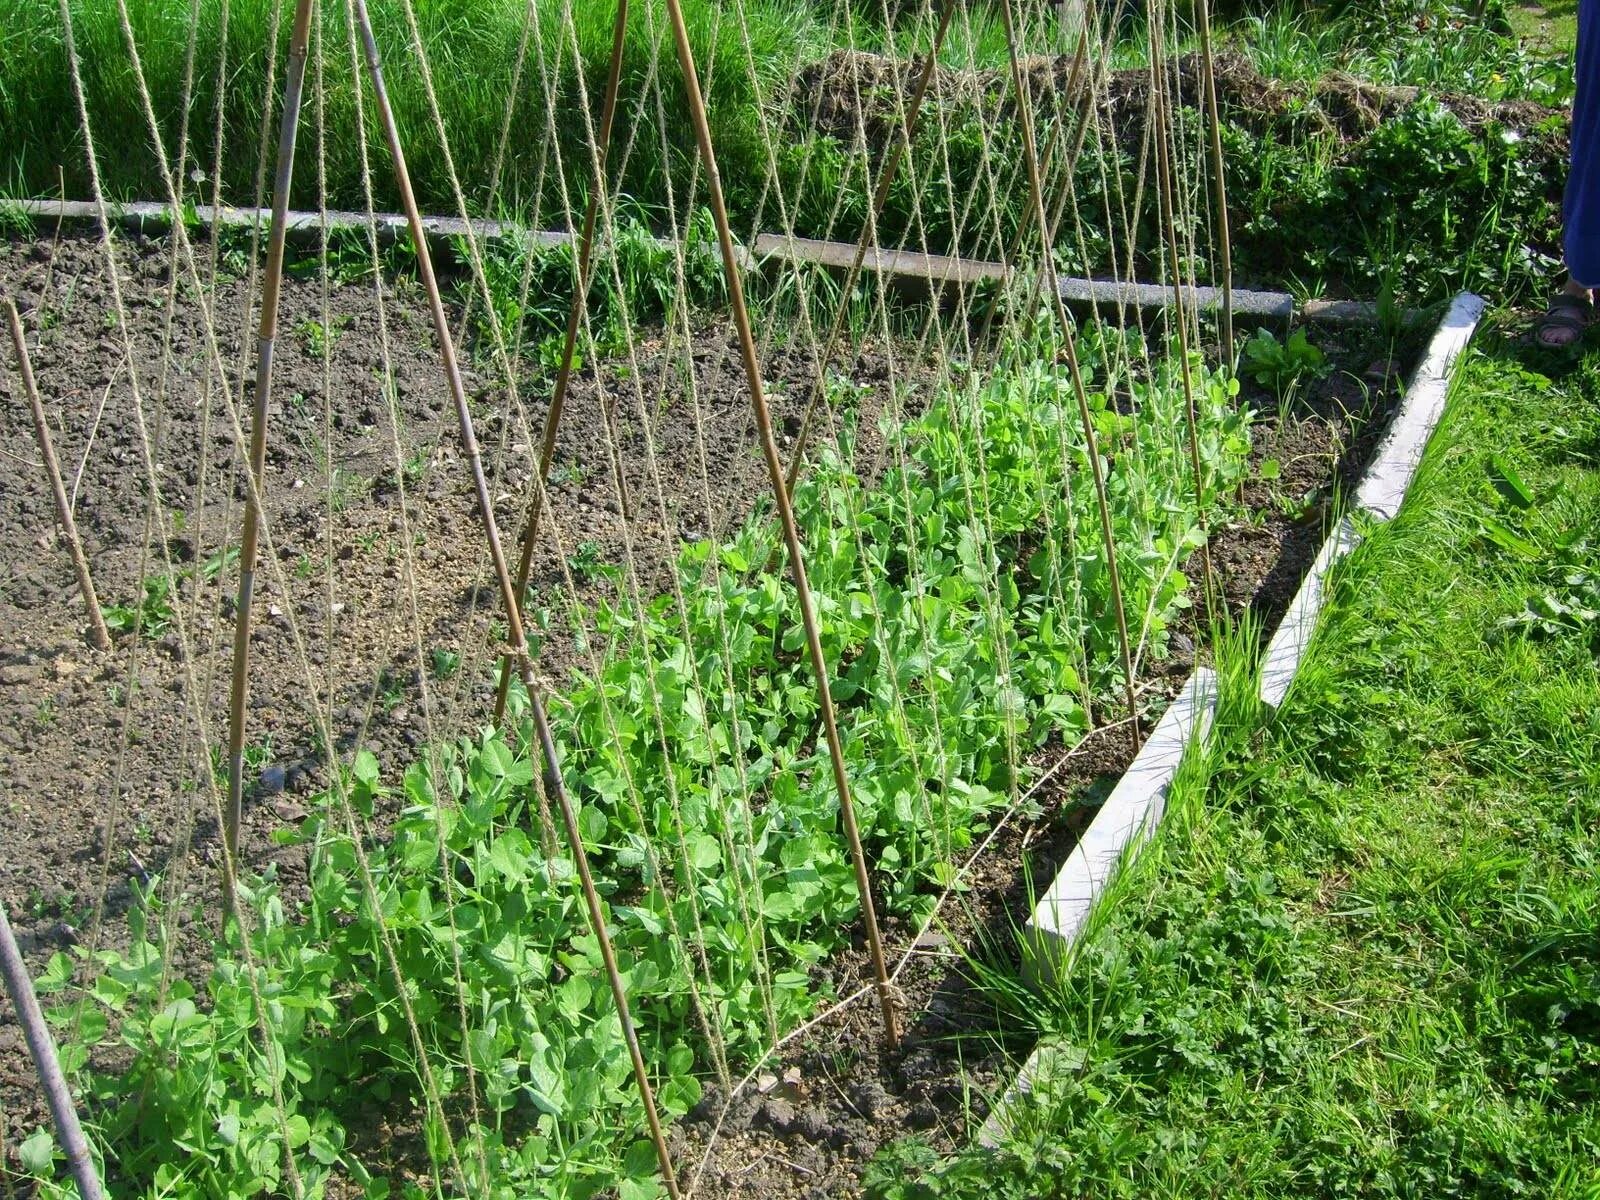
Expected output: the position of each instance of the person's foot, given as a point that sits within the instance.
(1564, 323)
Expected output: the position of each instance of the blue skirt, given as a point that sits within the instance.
(1580, 209)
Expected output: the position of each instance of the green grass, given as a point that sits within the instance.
(1427, 44)
(1552, 25)
(1363, 959)
(472, 49)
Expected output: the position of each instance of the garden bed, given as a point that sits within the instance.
(829, 1099)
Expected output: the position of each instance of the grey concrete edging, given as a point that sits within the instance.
(1129, 815)
(932, 270)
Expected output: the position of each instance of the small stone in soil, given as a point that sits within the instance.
(808, 1123)
(272, 779)
(779, 1114)
(872, 1100)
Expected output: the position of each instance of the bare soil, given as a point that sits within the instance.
(105, 758)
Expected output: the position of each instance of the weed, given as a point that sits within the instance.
(151, 615)
(445, 663)
(1282, 365)
(587, 561)
(319, 338)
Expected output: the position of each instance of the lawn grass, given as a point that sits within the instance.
(1545, 24)
(471, 47)
(1363, 958)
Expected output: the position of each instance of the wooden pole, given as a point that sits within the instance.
(554, 785)
(791, 530)
(42, 1048)
(69, 527)
(299, 41)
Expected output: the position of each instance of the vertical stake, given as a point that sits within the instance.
(1219, 183)
(1070, 346)
(1167, 204)
(42, 1047)
(550, 764)
(294, 79)
(791, 531)
(69, 527)
(580, 297)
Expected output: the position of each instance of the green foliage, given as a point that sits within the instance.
(472, 51)
(1362, 962)
(318, 338)
(151, 614)
(635, 284)
(1419, 208)
(1281, 365)
(957, 617)
(1568, 602)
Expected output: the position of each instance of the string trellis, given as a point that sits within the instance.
(819, 534)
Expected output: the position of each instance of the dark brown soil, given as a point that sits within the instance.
(112, 749)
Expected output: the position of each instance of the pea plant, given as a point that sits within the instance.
(446, 969)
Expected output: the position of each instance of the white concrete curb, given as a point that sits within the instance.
(1292, 639)
(1128, 816)
(1394, 465)
(1381, 492)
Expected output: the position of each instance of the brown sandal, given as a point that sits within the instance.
(1568, 318)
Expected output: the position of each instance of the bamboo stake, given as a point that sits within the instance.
(69, 527)
(558, 397)
(1167, 204)
(791, 531)
(42, 1048)
(1219, 183)
(551, 769)
(869, 229)
(294, 79)
(1070, 346)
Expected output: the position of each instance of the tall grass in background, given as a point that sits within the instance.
(472, 48)
(1417, 208)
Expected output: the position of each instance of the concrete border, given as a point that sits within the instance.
(1380, 493)
(1290, 641)
(1129, 815)
(1394, 465)
(912, 266)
